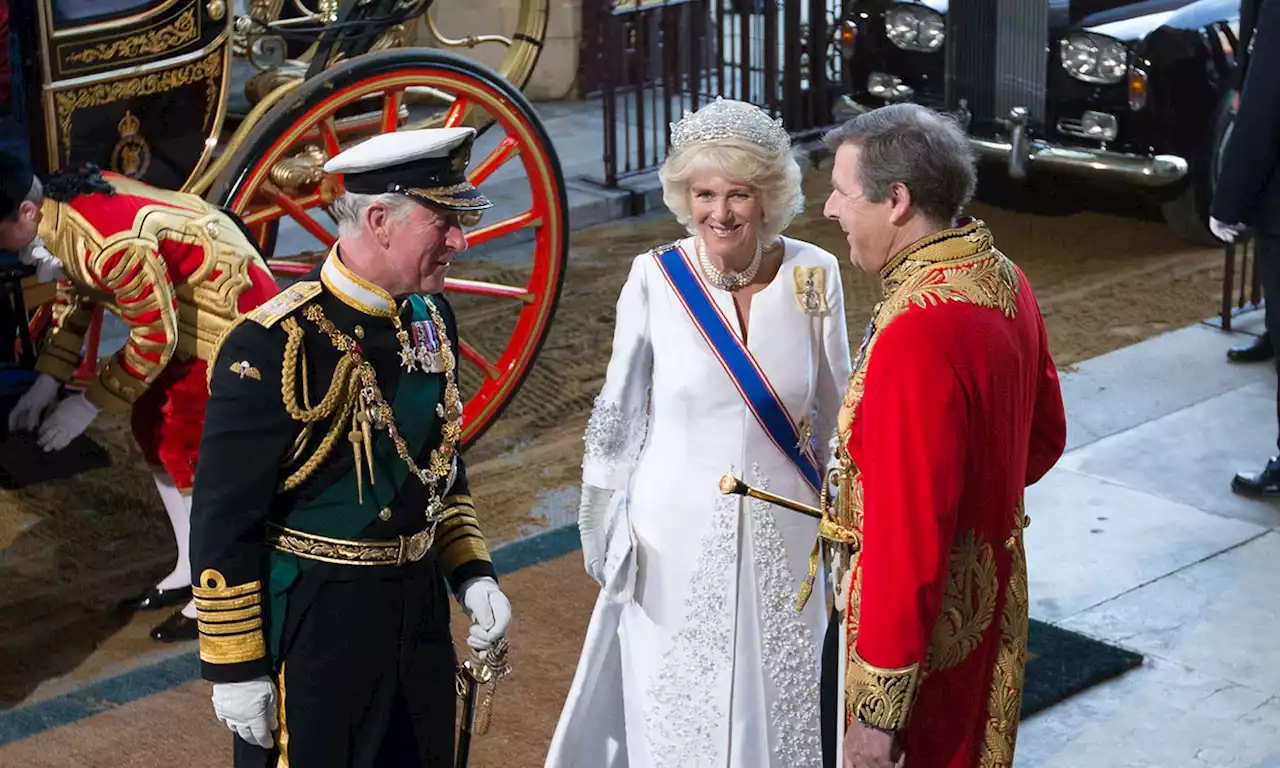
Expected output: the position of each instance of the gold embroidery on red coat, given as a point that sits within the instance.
(968, 603)
(1004, 701)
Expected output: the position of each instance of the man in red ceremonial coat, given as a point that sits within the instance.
(953, 409)
(179, 273)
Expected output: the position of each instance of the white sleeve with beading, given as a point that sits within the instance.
(619, 421)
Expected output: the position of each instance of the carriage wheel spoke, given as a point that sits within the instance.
(503, 228)
(492, 290)
(268, 213)
(299, 214)
(470, 354)
(391, 111)
(329, 134)
(456, 112)
(508, 149)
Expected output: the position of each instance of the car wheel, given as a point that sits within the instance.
(1188, 213)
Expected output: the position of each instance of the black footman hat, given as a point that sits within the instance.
(15, 182)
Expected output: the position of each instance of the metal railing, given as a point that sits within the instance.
(650, 61)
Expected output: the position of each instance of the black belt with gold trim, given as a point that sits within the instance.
(401, 550)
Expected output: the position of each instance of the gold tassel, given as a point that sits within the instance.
(368, 444)
(356, 442)
(806, 588)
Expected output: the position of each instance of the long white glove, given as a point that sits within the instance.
(25, 416)
(489, 610)
(1227, 233)
(67, 421)
(248, 709)
(591, 527)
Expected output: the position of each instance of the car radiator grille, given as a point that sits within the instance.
(996, 57)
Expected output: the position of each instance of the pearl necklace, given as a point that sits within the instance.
(729, 281)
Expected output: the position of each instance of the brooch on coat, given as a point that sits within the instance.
(243, 369)
(811, 290)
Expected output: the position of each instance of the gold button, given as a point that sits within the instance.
(385, 514)
(212, 228)
(359, 332)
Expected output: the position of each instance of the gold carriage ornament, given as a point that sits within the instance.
(132, 154)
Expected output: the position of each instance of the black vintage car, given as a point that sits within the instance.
(1131, 95)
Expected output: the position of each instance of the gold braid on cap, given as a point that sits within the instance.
(729, 119)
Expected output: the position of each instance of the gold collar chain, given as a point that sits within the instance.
(376, 411)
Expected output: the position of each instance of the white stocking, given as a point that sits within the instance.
(178, 505)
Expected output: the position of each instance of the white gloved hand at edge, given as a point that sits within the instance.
(489, 610)
(591, 527)
(25, 416)
(1227, 233)
(248, 709)
(72, 416)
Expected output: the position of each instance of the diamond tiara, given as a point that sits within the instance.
(728, 119)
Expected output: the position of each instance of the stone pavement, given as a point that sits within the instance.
(1137, 540)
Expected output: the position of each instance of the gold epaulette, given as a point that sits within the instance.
(284, 303)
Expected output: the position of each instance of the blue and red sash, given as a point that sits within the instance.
(739, 363)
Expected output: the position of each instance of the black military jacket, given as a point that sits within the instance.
(279, 456)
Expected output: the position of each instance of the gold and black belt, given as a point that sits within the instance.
(398, 551)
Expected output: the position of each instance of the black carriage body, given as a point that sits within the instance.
(134, 86)
(1000, 55)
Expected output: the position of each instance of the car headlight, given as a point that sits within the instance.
(1094, 58)
(915, 27)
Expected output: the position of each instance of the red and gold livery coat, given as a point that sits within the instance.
(177, 270)
(953, 409)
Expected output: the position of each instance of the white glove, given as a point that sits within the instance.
(591, 527)
(248, 709)
(489, 609)
(48, 267)
(67, 421)
(1227, 233)
(25, 416)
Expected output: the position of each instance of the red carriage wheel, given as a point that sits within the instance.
(505, 288)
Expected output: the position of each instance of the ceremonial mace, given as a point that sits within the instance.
(481, 670)
(732, 485)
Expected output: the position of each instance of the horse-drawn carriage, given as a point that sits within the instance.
(245, 108)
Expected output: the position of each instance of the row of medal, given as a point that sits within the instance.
(424, 354)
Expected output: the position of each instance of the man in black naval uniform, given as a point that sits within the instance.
(1248, 195)
(330, 503)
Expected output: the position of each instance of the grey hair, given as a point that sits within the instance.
(774, 175)
(926, 151)
(350, 207)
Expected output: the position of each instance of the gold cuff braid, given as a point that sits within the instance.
(459, 539)
(878, 697)
(230, 623)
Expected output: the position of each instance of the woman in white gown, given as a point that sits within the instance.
(696, 654)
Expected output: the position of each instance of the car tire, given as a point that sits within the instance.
(1188, 213)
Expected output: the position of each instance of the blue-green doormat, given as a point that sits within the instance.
(1061, 663)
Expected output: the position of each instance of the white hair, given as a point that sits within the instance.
(774, 175)
(350, 207)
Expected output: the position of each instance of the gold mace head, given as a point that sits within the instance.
(728, 484)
